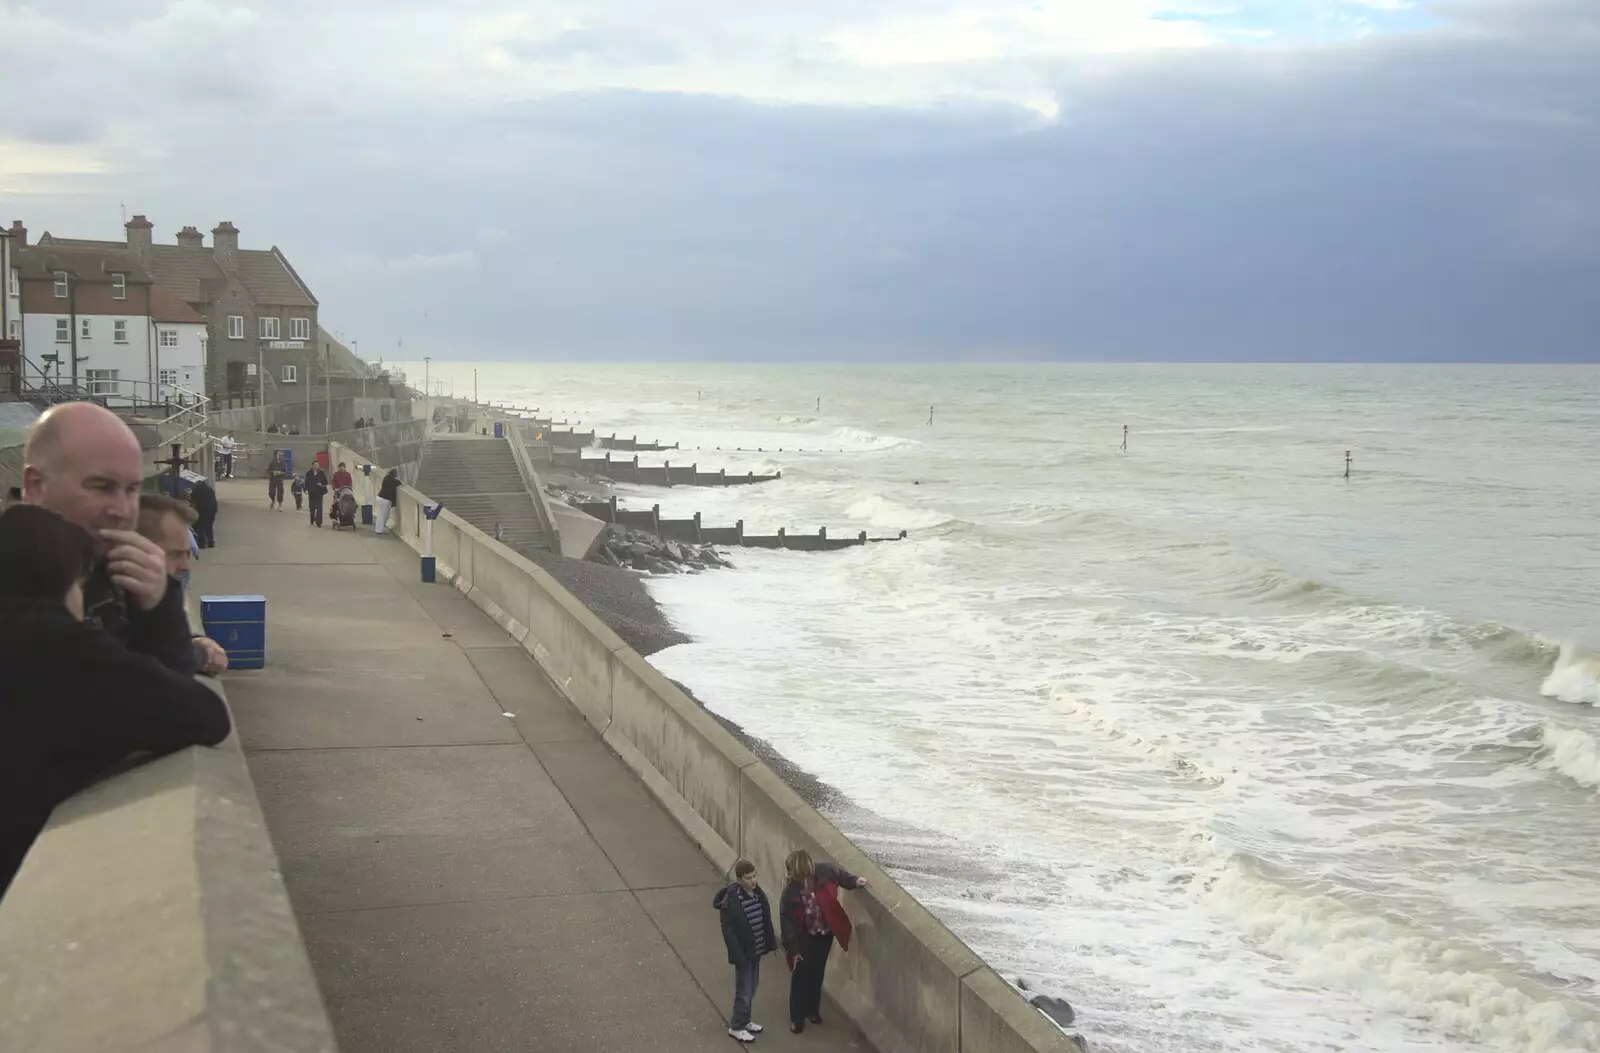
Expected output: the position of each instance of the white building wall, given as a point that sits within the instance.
(100, 351)
(11, 293)
(183, 366)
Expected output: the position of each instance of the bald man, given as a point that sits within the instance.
(83, 463)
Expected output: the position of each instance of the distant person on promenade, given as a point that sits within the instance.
(747, 931)
(225, 446)
(388, 497)
(811, 917)
(297, 487)
(76, 700)
(203, 496)
(83, 463)
(276, 472)
(316, 490)
(166, 521)
(341, 478)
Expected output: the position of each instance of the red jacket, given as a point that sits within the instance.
(342, 479)
(830, 877)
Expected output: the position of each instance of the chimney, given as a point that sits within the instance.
(225, 237)
(190, 238)
(19, 234)
(139, 233)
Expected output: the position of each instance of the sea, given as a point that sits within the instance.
(1232, 751)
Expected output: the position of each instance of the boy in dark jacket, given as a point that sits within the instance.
(747, 930)
(76, 700)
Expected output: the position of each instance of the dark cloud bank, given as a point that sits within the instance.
(1422, 197)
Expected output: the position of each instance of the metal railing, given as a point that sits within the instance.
(530, 479)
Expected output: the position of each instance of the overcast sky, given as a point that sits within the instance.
(772, 179)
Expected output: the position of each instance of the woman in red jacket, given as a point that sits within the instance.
(811, 918)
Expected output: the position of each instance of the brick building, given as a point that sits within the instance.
(257, 310)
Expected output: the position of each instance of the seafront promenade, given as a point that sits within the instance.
(472, 867)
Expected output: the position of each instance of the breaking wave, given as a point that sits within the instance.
(1576, 677)
(876, 510)
(1572, 753)
(862, 439)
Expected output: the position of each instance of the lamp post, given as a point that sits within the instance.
(427, 394)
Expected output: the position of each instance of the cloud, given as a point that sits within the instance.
(888, 178)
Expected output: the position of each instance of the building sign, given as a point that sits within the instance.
(250, 369)
(288, 345)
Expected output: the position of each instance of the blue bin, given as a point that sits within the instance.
(288, 461)
(239, 624)
(499, 430)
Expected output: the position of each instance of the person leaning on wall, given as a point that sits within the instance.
(812, 918)
(76, 700)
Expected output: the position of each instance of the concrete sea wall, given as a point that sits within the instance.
(908, 982)
(150, 915)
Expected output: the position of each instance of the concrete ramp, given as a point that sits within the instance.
(477, 478)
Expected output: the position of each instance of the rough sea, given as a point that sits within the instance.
(1232, 753)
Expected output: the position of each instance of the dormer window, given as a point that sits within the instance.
(61, 285)
(119, 286)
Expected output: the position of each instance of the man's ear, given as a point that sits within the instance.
(32, 483)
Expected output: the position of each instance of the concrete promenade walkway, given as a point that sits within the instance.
(471, 866)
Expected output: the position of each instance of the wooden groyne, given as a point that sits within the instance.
(632, 445)
(666, 474)
(693, 531)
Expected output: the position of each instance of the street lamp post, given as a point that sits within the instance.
(427, 394)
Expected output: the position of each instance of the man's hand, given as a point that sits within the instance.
(137, 566)
(215, 659)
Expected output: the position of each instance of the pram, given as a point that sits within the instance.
(344, 508)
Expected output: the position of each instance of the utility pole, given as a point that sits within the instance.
(261, 386)
(427, 394)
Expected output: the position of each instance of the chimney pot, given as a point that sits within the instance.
(19, 233)
(191, 238)
(139, 229)
(225, 236)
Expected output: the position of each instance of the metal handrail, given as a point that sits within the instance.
(530, 480)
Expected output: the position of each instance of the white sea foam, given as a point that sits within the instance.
(861, 439)
(1576, 677)
(876, 510)
(1395, 967)
(1573, 754)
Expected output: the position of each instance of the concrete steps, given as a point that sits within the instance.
(477, 479)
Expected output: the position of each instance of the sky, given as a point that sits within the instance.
(849, 179)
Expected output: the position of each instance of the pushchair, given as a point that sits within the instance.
(344, 508)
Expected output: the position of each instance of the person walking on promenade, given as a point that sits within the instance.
(341, 478)
(747, 930)
(84, 464)
(297, 487)
(276, 471)
(204, 498)
(77, 700)
(316, 490)
(388, 497)
(811, 917)
(225, 447)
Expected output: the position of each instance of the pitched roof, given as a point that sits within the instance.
(182, 271)
(167, 306)
(270, 279)
(89, 263)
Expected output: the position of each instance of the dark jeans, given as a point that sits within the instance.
(316, 509)
(227, 465)
(805, 983)
(205, 530)
(745, 979)
(275, 491)
(299, 500)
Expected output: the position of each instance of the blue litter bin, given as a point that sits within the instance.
(239, 624)
(499, 430)
(288, 461)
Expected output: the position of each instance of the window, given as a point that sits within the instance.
(63, 330)
(300, 329)
(269, 329)
(84, 332)
(61, 285)
(16, 329)
(12, 284)
(169, 338)
(119, 286)
(236, 327)
(119, 331)
(169, 378)
(102, 381)
(291, 374)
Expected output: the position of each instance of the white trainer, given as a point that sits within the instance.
(740, 1035)
(754, 1028)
